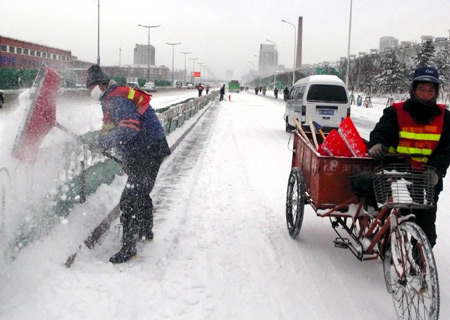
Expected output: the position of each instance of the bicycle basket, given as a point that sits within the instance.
(400, 186)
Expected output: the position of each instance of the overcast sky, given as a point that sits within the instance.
(223, 34)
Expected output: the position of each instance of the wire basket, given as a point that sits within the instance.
(400, 186)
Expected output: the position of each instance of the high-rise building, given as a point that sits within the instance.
(388, 43)
(268, 58)
(141, 53)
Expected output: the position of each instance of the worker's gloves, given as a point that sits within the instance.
(431, 176)
(377, 152)
(93, 143)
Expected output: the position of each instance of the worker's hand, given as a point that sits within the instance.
(377, 152)
(94, 144)
(432, 176)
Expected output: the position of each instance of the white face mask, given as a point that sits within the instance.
(96, 93)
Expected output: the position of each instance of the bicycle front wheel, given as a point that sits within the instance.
(413, 277)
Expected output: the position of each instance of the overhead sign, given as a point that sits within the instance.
(196, 74)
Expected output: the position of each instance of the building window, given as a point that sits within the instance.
(38, 53)
(54, 56)
(12, 49)
(3, 47)
(19, 50)
(32, 53)
(44, 55)
(25, 51)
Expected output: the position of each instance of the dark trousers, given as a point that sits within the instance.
(135, 202)
(426, 219)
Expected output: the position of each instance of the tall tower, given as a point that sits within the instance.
(298, 61)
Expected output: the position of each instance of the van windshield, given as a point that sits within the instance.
(327, 93)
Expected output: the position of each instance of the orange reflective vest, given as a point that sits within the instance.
(141, 100)
(417, 138)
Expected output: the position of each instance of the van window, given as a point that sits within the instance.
(299, 93)
(327, 93)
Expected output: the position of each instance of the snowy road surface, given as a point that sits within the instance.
(221, 248)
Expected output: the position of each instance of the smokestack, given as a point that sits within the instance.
(298, 61)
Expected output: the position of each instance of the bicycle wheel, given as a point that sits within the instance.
(295, 203)
(412, 278)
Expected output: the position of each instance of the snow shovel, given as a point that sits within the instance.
(319, 128)
(302, 132)
(313, 132)
(40, 116)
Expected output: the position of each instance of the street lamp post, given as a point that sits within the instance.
(200, 63)
(204, 70)
(274, 64)
(148, 48)
(173, 52)
(98, 33)
(348, 48)
(185, 72)
(295, 46)
(193, 69)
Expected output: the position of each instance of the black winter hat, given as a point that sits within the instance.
(96, 76)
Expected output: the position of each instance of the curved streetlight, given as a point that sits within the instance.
(193, 69)
(295, 46)
(274, 64)
(148, 48)
(173, 46)
(185, 73)
(200, 63)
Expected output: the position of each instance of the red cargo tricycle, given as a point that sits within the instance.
(370, 208)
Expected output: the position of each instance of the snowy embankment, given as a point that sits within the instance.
(221, 248)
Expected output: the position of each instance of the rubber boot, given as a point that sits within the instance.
(145, 226)
(128, 249)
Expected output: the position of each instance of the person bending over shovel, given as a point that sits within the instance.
(130, 125)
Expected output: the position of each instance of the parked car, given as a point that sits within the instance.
(190, 86)
(323, 98)
(2, 98)
(149, 87)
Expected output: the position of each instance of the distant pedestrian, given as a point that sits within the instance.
(264, 90)
(207, 89)
(200, 90)
(275, 92)
(285, 93)
(222, 92)
(256, 90)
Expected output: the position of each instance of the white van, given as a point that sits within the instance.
(324, 98)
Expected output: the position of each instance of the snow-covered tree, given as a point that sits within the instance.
(425, 55)
(391, 77)
(443, 65)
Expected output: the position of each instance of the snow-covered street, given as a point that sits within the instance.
(221, 247)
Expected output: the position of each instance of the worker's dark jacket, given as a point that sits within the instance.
(386, 131)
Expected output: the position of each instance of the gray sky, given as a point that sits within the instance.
(224, 34)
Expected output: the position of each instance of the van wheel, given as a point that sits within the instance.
(289, 128)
